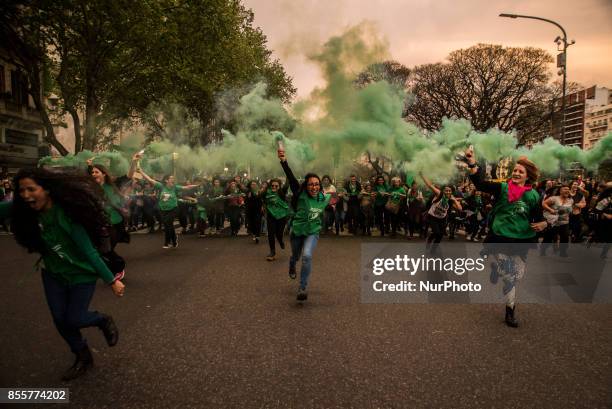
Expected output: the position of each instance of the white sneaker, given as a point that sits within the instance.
(166, 246)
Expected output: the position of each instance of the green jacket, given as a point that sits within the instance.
(69, 256)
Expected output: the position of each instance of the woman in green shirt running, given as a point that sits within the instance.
(309, 204)
(61, 215)
(277, 211)
(168, 192)
(515, 219)
(113, 204)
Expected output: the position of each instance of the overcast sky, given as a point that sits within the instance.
(425, 31)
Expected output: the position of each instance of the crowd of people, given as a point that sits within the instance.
(75, 220)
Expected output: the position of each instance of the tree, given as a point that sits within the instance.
(111, 59)
(391, 71)
(214, 48)
(25, 43)
(489, 85)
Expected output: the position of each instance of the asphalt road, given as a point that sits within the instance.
(212, 324)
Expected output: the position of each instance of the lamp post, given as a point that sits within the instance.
(560, 63)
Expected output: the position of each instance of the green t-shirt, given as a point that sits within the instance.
(396, 193)
(381, 199)
(69, 256)
(168, 196)
(512, 219)
(275, 205)
(309, 215)
(112, 203)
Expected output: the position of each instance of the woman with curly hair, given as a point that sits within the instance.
(60, 214)
(516, 218)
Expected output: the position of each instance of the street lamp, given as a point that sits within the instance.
(561, 62)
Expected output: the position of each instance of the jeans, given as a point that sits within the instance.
(69, 306)
(303, 246)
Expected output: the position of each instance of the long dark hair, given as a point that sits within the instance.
(81, 198)
(108, 178)
(282, 189)
(303, 186)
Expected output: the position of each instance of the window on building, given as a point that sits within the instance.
(19, 88)
(21, 138)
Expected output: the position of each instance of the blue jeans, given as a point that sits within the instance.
(303, 246)
(69, 305)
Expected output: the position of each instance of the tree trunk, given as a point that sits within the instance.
(78, 141)
(91, 112)
(35, 91)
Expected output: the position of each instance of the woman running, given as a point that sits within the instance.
(168, 193)
(254, 208)
(381, 190)
(438, 211)
(366, 204)
(329, 215)
(396, 195)
(516, 217)
(416, 204)
(114, 199)
(61, 215)
(577, 193)
(217, 207)
(235, 200)
(277, 211)
(557, 210)
(309, 203)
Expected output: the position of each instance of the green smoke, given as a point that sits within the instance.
(331, 130)
(116, 162)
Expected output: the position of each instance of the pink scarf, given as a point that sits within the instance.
(515, 192)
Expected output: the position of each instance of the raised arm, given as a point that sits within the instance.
(291, 179)
(137, 156)
(430, 185)
(148, 178)
(477, 176)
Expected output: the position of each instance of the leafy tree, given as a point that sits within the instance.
(490, 85)
(393, 72)
(111, 59)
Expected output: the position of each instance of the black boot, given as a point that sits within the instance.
(111, 333)
(511, 320)
(83, 362)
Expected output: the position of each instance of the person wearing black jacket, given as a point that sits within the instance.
(277, 212)
(353, 190)
(254, 207)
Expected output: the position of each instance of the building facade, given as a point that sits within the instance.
(577, 106)
(21, 126)
(598, 123)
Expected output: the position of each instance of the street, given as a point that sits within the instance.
(213, 324)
